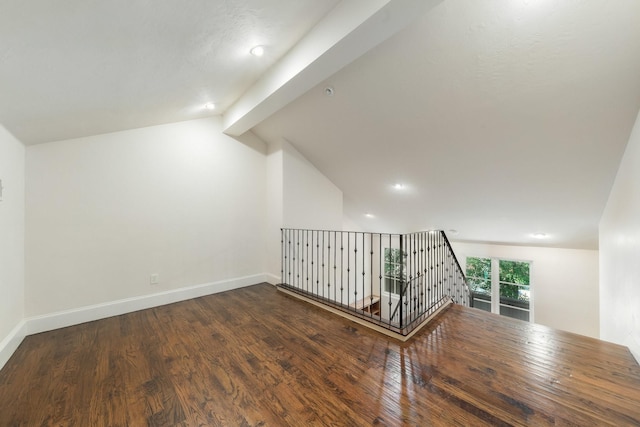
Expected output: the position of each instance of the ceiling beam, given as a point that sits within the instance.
(351, 29)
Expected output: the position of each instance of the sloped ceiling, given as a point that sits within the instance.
(73, 68)
(501, 118)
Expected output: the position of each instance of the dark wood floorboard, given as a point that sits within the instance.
(254, 356)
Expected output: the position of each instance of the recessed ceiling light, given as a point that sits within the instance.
(539, 235)
(328, 91)
(369, 215)
(398, 186)
(257, 51)
(210, 106)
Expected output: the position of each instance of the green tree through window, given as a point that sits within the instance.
(514, 279)
(507, 293)
(479, 274)
(394, 270)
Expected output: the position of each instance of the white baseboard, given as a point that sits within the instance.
(273, 279)
(11, 342)
(90, 313)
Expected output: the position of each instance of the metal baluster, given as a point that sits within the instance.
(380, 266)
(426, 270)
(401, 302)
(421, 261)
(335, 278)
(348, 266)
(306, 240)
(389, 293)
(296, 259)
(341, 267)
(434, 287)
(322, 265)
(439, 268)
(419, 306)
(371, 270)
(363, 270)
(413, 305)
(313, 260)
(317, 263)
(355, 266)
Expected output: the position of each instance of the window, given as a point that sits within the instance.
(479, 278)
(500, 286)
(394, 270)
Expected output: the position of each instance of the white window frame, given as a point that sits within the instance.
(495, 283)
(398, 281)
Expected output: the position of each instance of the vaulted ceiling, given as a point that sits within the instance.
(500, 118)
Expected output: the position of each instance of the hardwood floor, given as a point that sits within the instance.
(254, 356)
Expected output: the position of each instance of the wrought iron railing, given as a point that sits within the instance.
(392, 280)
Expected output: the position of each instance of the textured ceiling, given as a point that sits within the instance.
(502, 119)
(73, 68)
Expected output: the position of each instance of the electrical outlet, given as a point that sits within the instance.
(154, 279)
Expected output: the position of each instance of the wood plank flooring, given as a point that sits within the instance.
(256, 357)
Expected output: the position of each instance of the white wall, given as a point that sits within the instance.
(300, 196)
(620, 253)
(12, 161)
(310, 200)
(183, 201)
(349, 224)
(275, 188)
(564, 283)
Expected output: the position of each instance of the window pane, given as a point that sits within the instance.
(394, 270)
(479, 273)
(514, 289)
(514, 280)
(392, 285)
(514, 313)
(513, 286)
(514, 272)
(483, 302)
(479, 278)
(389, 285)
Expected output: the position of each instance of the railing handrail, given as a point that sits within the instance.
(444, 235)
(340, 267)
(349, 231)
